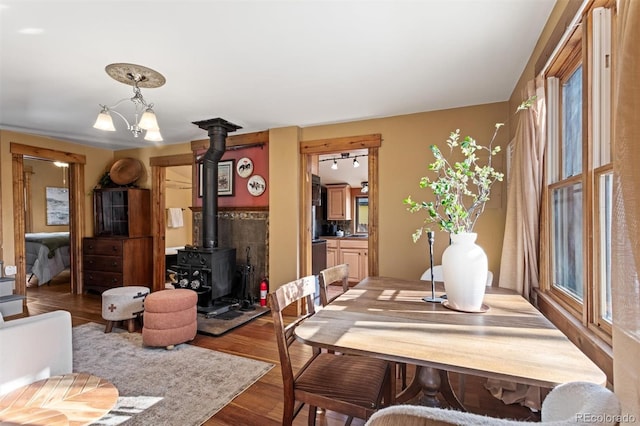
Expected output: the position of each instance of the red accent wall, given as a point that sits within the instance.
(241, 197)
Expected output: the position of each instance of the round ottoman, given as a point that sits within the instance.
(170, 317)
(123, 304)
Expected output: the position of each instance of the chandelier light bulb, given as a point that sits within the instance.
(356, 163)
(148, 120)
(104, 121)
(153, 135)
(334, 166)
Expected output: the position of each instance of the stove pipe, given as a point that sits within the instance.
(217, 129)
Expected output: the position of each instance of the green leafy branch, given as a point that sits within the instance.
(461, 189)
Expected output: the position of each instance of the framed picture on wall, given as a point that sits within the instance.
(57, 203)
(225, 178)
(226, 169)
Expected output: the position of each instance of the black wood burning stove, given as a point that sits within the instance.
(206, 268)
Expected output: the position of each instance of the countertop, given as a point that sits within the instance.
(359, 237)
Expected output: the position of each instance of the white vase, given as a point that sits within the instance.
(465, 267)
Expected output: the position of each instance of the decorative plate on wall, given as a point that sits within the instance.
(256, 185)
(244, 167)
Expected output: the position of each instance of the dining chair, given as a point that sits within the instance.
(333, 275)
(339, 274)
(573, 403)
(355, 386)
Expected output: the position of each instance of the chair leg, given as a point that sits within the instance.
(108, 327)
(312, 416)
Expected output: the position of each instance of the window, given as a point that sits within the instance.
(579, 173)
(362, 214)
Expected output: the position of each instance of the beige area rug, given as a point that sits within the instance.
(184, 386)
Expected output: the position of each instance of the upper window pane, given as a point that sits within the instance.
(572, 125)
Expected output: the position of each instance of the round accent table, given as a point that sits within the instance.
(79, 397)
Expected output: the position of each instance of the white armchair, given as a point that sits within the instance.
(34, 348)
(575, 403)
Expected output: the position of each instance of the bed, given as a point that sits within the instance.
(47, 255)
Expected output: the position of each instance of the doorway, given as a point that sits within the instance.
(308, 149)
(76, 164)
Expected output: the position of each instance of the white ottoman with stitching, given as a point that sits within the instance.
(123, 304)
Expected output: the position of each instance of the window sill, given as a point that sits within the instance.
(586, 340)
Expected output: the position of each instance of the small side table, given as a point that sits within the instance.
(123, 304)
(80, 397)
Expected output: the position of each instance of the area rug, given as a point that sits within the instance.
(221, 324)
(183, 386)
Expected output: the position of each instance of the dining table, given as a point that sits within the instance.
(510, 340)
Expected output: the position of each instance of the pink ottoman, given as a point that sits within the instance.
(170, 317)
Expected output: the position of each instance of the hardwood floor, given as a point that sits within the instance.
(261, 404)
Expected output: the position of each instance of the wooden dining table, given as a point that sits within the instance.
(386, 318)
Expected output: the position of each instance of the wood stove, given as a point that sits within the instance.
(206, 268)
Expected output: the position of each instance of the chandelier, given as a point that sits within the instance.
(144, 117)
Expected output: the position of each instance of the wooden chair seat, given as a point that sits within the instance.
(344, 382)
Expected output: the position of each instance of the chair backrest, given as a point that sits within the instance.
(283, 296)
(334, 274)
(580, 403)
(437, 274)
(574, 403)
(489, 278)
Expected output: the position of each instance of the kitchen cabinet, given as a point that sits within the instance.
(122, 212)
(338, 202)
(332, 253)
(355, 253)
(110, 262)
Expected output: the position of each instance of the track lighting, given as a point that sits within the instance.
(344, 156)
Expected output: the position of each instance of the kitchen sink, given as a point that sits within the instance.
(359, 235)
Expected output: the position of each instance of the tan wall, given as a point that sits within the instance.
(97, 162)
(284, 196)
(404, 157)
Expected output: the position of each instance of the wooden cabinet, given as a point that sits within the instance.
(115, 262)
(121, 252)
(122, 212)
(332, 253)
(338, 202)
(355, 253)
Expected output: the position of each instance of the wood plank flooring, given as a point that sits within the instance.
(261, 404)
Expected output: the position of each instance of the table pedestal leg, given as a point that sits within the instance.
(430, 381)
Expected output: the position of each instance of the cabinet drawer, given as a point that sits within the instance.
(105, 247)
(354, 244)
(103, 263)
(102, 279)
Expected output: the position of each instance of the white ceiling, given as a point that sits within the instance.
(258, 63)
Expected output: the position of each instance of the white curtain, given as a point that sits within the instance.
(519, 262)
(625, 245)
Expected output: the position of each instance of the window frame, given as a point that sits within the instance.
(578, 50)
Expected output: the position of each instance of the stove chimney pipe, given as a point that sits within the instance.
(217, 129)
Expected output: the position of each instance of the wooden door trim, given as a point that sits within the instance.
(158, 201)
(371, 142)
(76, 210)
